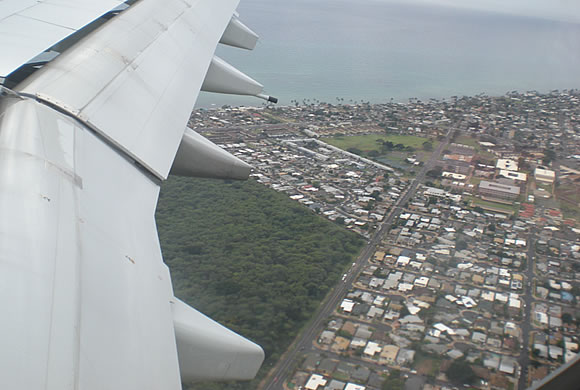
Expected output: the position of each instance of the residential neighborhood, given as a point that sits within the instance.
(470, 207)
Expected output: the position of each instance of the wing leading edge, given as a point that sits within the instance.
(85, 143)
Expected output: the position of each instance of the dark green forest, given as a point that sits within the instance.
(250, 258)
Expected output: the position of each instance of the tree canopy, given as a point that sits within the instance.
(250, 258)
(460, 372)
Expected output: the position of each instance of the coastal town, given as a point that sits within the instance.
(470, 206)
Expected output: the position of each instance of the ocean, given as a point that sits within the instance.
(381, 50)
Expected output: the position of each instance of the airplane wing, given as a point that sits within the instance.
(86, 139)
(29, 27)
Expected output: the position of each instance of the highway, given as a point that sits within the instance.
(283, 368)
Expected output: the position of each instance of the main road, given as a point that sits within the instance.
(524, 358)
(283, 368)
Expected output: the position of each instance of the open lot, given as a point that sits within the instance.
(369, 142)
(372, 146)
(569, 199)
(470, 141)
(493, 206)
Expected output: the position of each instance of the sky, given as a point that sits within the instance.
(562, 10)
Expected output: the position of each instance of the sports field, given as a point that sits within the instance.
(369, 142)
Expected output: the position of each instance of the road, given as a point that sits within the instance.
(265, 126)
(524, 359)
(283, 369)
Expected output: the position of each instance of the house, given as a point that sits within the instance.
(326, 337)
(327, 366)
(491, 361)
(507, 365)
(405, 356)
(347, 305)
(349, 327)
(479, 337)
(361, 374)
(363, 332)
(358, 343)
(340, 344)
(375, 312)
(314, 382)
(353, 386)
(389, 354)
(335, 385)
(372, 348)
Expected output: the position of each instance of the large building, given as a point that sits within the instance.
(517, 176)
(545, 175)
(498, 191)
(507, 164)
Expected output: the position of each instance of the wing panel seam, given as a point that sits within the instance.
(47, 22)
(64, 109)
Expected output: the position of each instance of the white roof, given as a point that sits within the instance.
(520, 176)
(347, 305)
(504, 163)
(501, 297)
(443, 328)
(488, 296)
(489, 185)
(545, 172)
(315, 381)
(515, 303)
(372, 348)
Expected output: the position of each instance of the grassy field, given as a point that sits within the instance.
(475, 180)
(545, 187)
(467, 140)
(369, 142)
(570, 211)
(569, 198)
(485, 204)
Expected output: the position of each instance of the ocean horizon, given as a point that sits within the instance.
(379, 51)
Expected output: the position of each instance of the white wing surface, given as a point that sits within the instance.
(29, 27)
(140, 75)
(85, 142)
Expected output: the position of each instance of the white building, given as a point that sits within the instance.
(507, 164)
(315, 381)
(517, 176)
(372, 348)
(347, 305)
(545, 175)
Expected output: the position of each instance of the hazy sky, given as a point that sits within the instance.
(565, 10)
